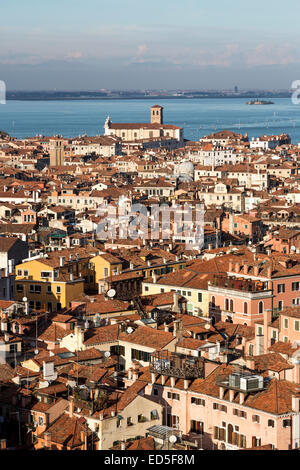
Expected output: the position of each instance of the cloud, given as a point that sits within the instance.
(74, 55)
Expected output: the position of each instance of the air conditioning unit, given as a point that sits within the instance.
(252, 382)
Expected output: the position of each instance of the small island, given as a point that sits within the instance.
(259, 102)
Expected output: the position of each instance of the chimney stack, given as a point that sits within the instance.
(267, 320)
(3, 444)
(71, 406)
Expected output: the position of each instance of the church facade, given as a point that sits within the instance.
(156, 129)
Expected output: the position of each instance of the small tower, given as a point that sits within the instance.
(57, 148)
(157, 114)
(107, 125)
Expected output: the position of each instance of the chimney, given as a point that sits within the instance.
(3, 444)
(176, 303)
(135, 375)
(61, 261)
(83, 436)
(123, 447)
(166, 328)
(269, 273)
(242, 398)
(71, 277)
(71, 406)
(246, 267)
(221, 393)
(237, 267)
(47, 440)
(250, 363)
(267, 320)
(186, 384)
(256, 271)
(153, 378)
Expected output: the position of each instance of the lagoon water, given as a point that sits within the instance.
(199, 117)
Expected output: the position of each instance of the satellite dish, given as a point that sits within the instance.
(172, 439)
(36, 351)
(207, 326)
(111, 293)
(107, 354)
(129, 330)
(24, 299)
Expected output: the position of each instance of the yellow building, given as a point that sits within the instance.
(105, 265)
(47, 285)
(188, 284)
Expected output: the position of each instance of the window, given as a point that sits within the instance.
(261, 308)
(198, 401)
(271, 423)
(155, 392)
(199, 297)
(280, 305)
(140, 355)
(173, 396)
(286, 423)
(25, 273)
(285, 339)
(129, 421)
(245, 308)
(285, 323)
(296, 325)
(256, 441)
(41, 421)
(255, 418)
(243, 414)
(197, 427)
(295, 286)
(19, 288)
(259, 331)
(58, 289)
(280, 288)
(154, 415)
(141, 418)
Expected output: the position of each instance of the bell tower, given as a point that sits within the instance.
(157, 114)
(57, 152)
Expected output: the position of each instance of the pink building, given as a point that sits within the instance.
(229, 409)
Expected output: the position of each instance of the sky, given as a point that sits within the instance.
(142, 44)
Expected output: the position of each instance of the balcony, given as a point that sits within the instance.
(176, 365)
(240, 287)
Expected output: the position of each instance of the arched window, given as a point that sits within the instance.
(261, 307)
(213, 301)
(230, 434)
(231, 305)
(251, 349)
(227, 305)
(245, 308)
